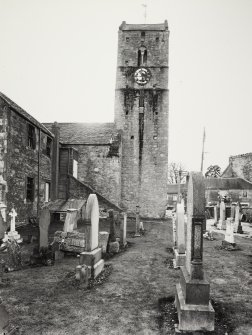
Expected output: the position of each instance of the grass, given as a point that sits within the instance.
(137, 297)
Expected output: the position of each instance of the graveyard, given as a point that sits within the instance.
(134, 293)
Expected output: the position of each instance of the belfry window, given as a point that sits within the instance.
(142, 56)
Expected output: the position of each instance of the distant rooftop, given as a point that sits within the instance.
(146, 26)
(23, 113)
(85, 133)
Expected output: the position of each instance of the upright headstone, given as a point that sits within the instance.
(215, 214)
(222, 221)
(229, 235)
(44, 222)
(92, 257)
(71, 220)
(237, 223)
(103, 240)
(123, 229)
(113, 243)
(3, 226)
(232, 216)
(179, 251)
(195, 311)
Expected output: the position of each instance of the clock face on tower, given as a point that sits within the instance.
(142, 76)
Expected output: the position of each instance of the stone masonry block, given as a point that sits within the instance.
(90, 258)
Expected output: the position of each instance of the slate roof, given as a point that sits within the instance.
(227, 184)
(156, 26)
(24, 114)
(62, 205)
(85, 133)
(216, 184)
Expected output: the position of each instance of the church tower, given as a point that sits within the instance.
(141, 113)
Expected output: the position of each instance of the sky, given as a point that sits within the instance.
(58, 62)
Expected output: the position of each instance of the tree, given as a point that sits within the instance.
(213, 171)
(176, 170)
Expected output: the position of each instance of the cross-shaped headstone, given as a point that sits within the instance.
(13, 215)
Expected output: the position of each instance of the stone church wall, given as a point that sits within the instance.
(101, 172)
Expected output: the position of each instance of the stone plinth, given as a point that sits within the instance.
(179, 259)
(193, 317)
(92, 259)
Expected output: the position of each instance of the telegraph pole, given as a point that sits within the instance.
(203, 150)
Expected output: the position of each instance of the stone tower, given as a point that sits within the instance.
(141, 113)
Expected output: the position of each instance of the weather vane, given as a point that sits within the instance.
(145, 11)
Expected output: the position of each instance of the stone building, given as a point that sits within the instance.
(238, 189)
(25, 160)
(125, 163)
(239, 166)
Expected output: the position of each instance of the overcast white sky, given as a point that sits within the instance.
(58, 62)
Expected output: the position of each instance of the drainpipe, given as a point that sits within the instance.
(38, 195)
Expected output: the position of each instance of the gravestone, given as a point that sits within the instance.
(71, 220)
(174, 236)
(179, 250)
(13, 234)
(103, 240)
(92, 257)
(113, 243)
(195, 312)
(222, 221)
(44, 222)
(123, 229)
(232, 216)
(137, 221)
(215, 214)
(229, 235)
(82, 274)
(3, 226)
(237, 223)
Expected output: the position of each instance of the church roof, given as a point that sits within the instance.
(152, 26)
(85, 133)
(23, 113)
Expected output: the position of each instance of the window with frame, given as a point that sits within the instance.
(48, 146)
(31, 136)
(30, 189)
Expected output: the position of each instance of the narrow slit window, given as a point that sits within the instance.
(143, 34)
(30, 189)
(141, 99)
(31, 136)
